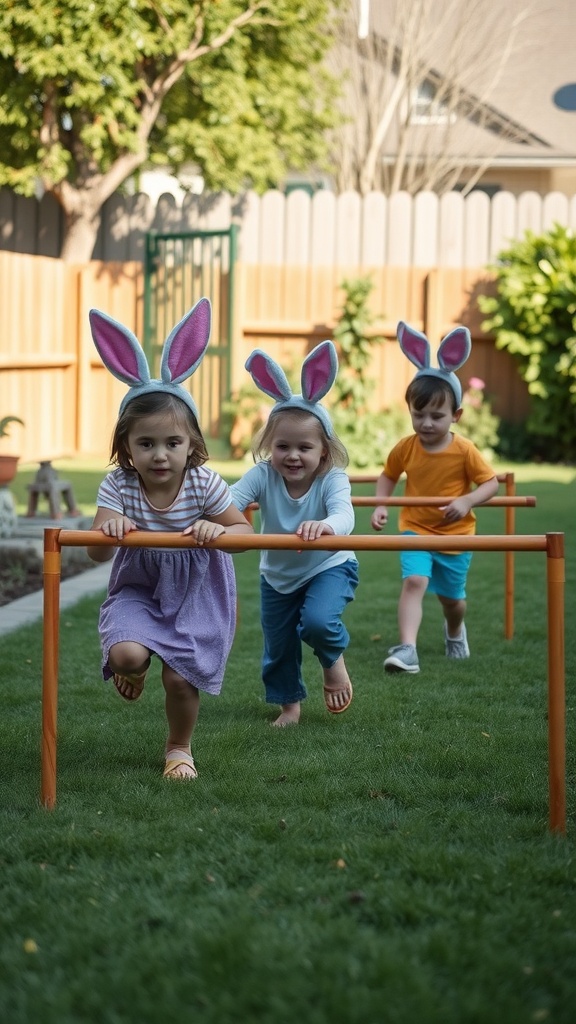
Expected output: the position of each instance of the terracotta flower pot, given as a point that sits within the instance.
(8, 467)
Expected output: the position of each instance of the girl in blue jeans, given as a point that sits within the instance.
(301, 487)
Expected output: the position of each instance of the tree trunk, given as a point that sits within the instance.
(80, 237)
(83, 206)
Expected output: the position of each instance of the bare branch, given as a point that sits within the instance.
(452, 53)
(156, 92)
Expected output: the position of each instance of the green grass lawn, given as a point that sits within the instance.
(86, 475)
(392, 864)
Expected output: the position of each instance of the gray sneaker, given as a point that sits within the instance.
(457, 647)
(402, 658)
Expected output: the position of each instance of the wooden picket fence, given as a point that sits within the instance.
(323, 230)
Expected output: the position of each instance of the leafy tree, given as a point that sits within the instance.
(533, 316)
(93, 90)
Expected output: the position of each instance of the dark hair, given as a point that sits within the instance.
(336, 454)
(148, 405)
(429, 390)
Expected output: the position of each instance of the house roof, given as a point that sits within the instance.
(519, 77)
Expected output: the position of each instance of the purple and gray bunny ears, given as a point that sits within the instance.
(317, 377)
(182, 353)
(453, 352)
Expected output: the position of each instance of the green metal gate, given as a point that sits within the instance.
(180, 268)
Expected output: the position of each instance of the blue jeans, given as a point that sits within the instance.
(311, 614)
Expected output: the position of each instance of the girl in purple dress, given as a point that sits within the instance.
(176, 603)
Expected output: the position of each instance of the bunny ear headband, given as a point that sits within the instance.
(452, 354)
(182, 353)
(318, 375)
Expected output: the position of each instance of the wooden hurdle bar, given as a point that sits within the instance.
(551, 543)
(509, 481)
(509, 502)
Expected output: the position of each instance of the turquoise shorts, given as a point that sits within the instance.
(446, 573)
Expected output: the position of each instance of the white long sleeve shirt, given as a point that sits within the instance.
(327, 500)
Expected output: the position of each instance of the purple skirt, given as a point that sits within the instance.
(179, 603)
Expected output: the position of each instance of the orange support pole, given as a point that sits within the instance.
(52, 575)
(555, 573)
(510, 527)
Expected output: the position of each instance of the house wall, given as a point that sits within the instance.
(541, 180)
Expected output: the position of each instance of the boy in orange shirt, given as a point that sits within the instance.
(436, 462)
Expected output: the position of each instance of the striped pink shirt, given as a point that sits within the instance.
(203, 493)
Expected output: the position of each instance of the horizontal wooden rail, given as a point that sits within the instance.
(499, 501)
(329, 542)
(508, 479)
(31, 361)
(551, 543)
(369, 501)
(371, 478)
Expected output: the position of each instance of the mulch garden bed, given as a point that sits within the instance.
(21, 570)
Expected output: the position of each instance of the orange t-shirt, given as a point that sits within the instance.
(450, 472)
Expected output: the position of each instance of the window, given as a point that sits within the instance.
(425, 108)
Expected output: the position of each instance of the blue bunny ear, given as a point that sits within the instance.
(119, 349)
(454, 349)
(185, 346)
(268, 376)
(414, 345)
(319, 371)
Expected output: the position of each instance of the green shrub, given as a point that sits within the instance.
(515, 444)
(369, 438)
(533, 316)
(242, 415)
(367, 435)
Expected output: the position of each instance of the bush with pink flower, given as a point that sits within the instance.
(478, 423)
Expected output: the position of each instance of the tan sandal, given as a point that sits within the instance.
(176, 759)
(136, 682)
(329, 693)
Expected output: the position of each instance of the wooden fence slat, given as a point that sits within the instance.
(271, 238)
(374, 221)
(298, 214)
(348, 219)
(451, 234)
(476, 252)
(323, 228)
(426, 226)
(504, 226)
(400, 227)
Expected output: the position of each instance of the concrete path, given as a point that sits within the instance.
(29, 609)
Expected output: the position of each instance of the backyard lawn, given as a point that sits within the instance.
(392, 864)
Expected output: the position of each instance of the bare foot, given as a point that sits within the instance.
(290, 715)
(337, 687)
(179, 765)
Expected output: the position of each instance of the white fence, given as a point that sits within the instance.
(323, 230)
